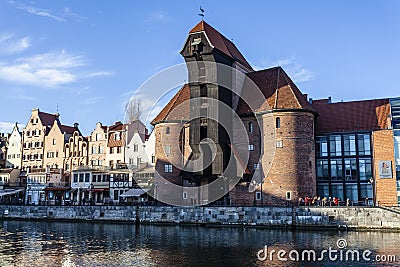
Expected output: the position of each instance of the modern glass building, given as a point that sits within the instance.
(395, 110)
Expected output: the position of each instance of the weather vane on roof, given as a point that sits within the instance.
(202, 13)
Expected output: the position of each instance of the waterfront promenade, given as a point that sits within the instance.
(350, 218)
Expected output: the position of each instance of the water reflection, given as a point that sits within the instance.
(90, 244)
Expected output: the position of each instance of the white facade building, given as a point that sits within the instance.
(14, 152)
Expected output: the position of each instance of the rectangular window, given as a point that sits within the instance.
(135, 147)
(366, 191)
(167, 150)
(256, 166)
(81, 177)
(251, 147)
(153, 159)
(350, 170)
(364, 144)
(98, 137)
(94, 178)
(111, 150)
(365, 167)
(100, 162)
(258, 195)
(323, 190)
(322, 146)
(168, 168)
(337, 191)
(117, 136)
(279, 143)
(349, 145)
(101, 150)
(322, 170)
(336, 170)
(75, 177)
(288, 195)
(87, 177)
(250, 127)
(335, 145)
(184, 195)
(93, 150)
(115, 194)
(352, 192)
(54, 141)
(118, 149)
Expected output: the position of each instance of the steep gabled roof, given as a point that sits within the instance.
(180, 101)
(220, 42)
(118, 126)
(352, 116)
(47, 119)
(67, 129)
(278, 89)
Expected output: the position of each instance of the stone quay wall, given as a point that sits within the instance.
(269, 217)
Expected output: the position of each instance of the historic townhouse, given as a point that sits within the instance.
(14, 153)
(3, 150)
(54, 146)
(136, 154)
(36, 129)
(116, 145)
(98, 146)
(76, 151)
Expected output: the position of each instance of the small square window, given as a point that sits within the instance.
(288, 195)
(184, 195)
(256, 166)
(279, 143)
(258, 195)
(168, 168)
(251, 147)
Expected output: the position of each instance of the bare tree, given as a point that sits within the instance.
(133, 109)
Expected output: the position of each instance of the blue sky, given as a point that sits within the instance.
(89, 56)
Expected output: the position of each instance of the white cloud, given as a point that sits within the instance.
(296, 71)
(6, 127)
(93, 100)
(11, 45)
(156, 17)
(52, 69)
(68, 13)
(37, 11)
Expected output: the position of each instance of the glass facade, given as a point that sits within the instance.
(395, 110)
(344, 166)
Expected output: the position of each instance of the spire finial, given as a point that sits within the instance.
(202, 13)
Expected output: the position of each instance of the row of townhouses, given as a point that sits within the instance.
(48, 162)
(297, 147)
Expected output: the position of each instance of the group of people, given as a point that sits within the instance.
(317, 201)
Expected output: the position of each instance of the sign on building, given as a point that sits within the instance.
(385, 169)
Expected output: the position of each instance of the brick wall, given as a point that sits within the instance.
(383, 147)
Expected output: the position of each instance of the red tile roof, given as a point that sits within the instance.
(278, 89)
(221, 43)
(352, 116)
(177, 108)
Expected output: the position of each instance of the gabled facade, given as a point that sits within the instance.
(54, 145)
(98, 146)
(76, 151)
(14, 152)
(116, 145)
(3, 150)
(38, 126)
(136, 154)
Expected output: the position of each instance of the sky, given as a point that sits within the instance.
(85, 59)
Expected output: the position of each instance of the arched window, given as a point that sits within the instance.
(250, 127)
(167, 130)
(278, 122)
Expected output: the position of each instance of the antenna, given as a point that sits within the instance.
(202, 13)
(58, 108)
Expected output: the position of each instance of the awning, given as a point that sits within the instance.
(133, 193)
(98, 189)
(9, 192)
(57, 188)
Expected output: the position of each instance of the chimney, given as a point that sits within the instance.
(76, 125)
(329, 100)
(310, 100)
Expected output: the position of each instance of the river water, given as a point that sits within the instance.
(101, 244)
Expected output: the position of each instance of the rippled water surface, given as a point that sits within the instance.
(92, 244)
